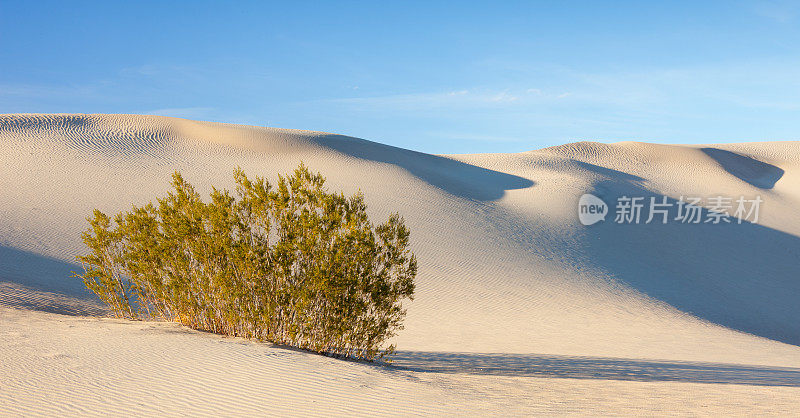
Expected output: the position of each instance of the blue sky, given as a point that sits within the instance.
(441, 77)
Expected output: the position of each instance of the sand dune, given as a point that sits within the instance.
(519, 307)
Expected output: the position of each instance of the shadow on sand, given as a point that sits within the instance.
(746, 169)
(574, 367)
(454, 177)
(33, 281)
(744, 276)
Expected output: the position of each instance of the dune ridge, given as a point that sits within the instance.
(505, 269)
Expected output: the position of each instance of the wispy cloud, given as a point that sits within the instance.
(453, 99)
(504, 96)
(182, 112)
(164, 72)
(462, 136)
(779, 11)
(30, 91)
(140, 70)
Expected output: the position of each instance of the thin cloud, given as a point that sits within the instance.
(181, 112)
(455, 99)
(504, 96)
(44, 91)
(475, 138)
(779, 11)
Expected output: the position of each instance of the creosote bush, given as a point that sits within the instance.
(291, 264)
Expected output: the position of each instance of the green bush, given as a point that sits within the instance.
(291, 264)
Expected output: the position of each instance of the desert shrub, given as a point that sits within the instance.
(293, 264)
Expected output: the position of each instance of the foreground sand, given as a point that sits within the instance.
(56, 365)
(519, 309)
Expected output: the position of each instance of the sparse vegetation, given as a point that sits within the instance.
(293, 264)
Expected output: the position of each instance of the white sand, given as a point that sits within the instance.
(519, 308)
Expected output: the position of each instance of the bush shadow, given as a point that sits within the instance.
(577, 367)
(33, 281)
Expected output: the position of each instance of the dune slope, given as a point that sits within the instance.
(514, 295)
